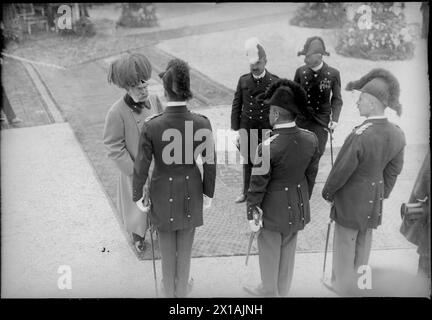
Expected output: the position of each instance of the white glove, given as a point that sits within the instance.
(332, 125)
(141, 206)
(254, 227)
(331, 203)
(144, 203)
(207, 202)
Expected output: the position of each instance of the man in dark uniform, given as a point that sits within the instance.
(283, 192)
(363, 175)
(249, 115)
(176, 187)
(417, 231)
(323, 88)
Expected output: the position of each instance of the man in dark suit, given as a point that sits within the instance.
(283, 191)
(176, 187)
(363, 175)
(249, 115)
(323, 88)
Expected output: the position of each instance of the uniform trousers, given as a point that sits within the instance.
(351, 249)
(249, 143)
(320, 131)
(276, 260)
(176, 249)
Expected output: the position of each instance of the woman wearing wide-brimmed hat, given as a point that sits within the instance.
(123, 125)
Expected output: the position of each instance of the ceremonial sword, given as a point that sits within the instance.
(257, 217)
(330, 222)
(147, 210)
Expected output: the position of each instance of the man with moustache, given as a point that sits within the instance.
(283, 191)
(363, 175)
(323, 88)
(249, 115)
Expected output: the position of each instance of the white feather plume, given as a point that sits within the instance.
(252, 49)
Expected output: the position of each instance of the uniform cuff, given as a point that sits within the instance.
(137, 194)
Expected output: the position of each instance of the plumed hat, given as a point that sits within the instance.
(176, 79)
(382, 85)
(254, 50)
(313, 45)
(288, 95)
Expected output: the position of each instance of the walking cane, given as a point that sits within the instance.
(330, 222)
(153, 258)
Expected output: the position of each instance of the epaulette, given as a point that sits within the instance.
(273, 75)
(360, 129)
(199, 114)
(153, 116)
(269, 140)
(306, 130)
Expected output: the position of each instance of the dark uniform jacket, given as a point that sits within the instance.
(248, 112)
(284, 192)
(323, 89)
(364, 173)
(176, 189)
(419, 232)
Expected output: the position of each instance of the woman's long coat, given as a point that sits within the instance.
(121, 136)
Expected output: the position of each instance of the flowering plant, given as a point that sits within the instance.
(382, 35)
(320, 15)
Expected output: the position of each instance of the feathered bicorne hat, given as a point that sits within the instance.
(288, 95)
(313, 45)
(382, 84)
(254, 50)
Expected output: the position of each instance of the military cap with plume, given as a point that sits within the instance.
(381, 84)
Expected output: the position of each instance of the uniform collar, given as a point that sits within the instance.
(284, 125)
(176, 108)
(318, 67)
(261, 76)
(376, 117)
(176, 103)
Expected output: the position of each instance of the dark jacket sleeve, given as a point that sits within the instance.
(297, 76)
(258, 185)
(421, 187)
(142, 163)
(237, 106)
(346, 163)
(115, 143)
(312, 169)
(209, 164)
(336, 99)
(391, 171)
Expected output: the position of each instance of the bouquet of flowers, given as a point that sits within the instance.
(320, 15)
(377, 31)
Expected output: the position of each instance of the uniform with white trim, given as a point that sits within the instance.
(176, 187)
(284, 191)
